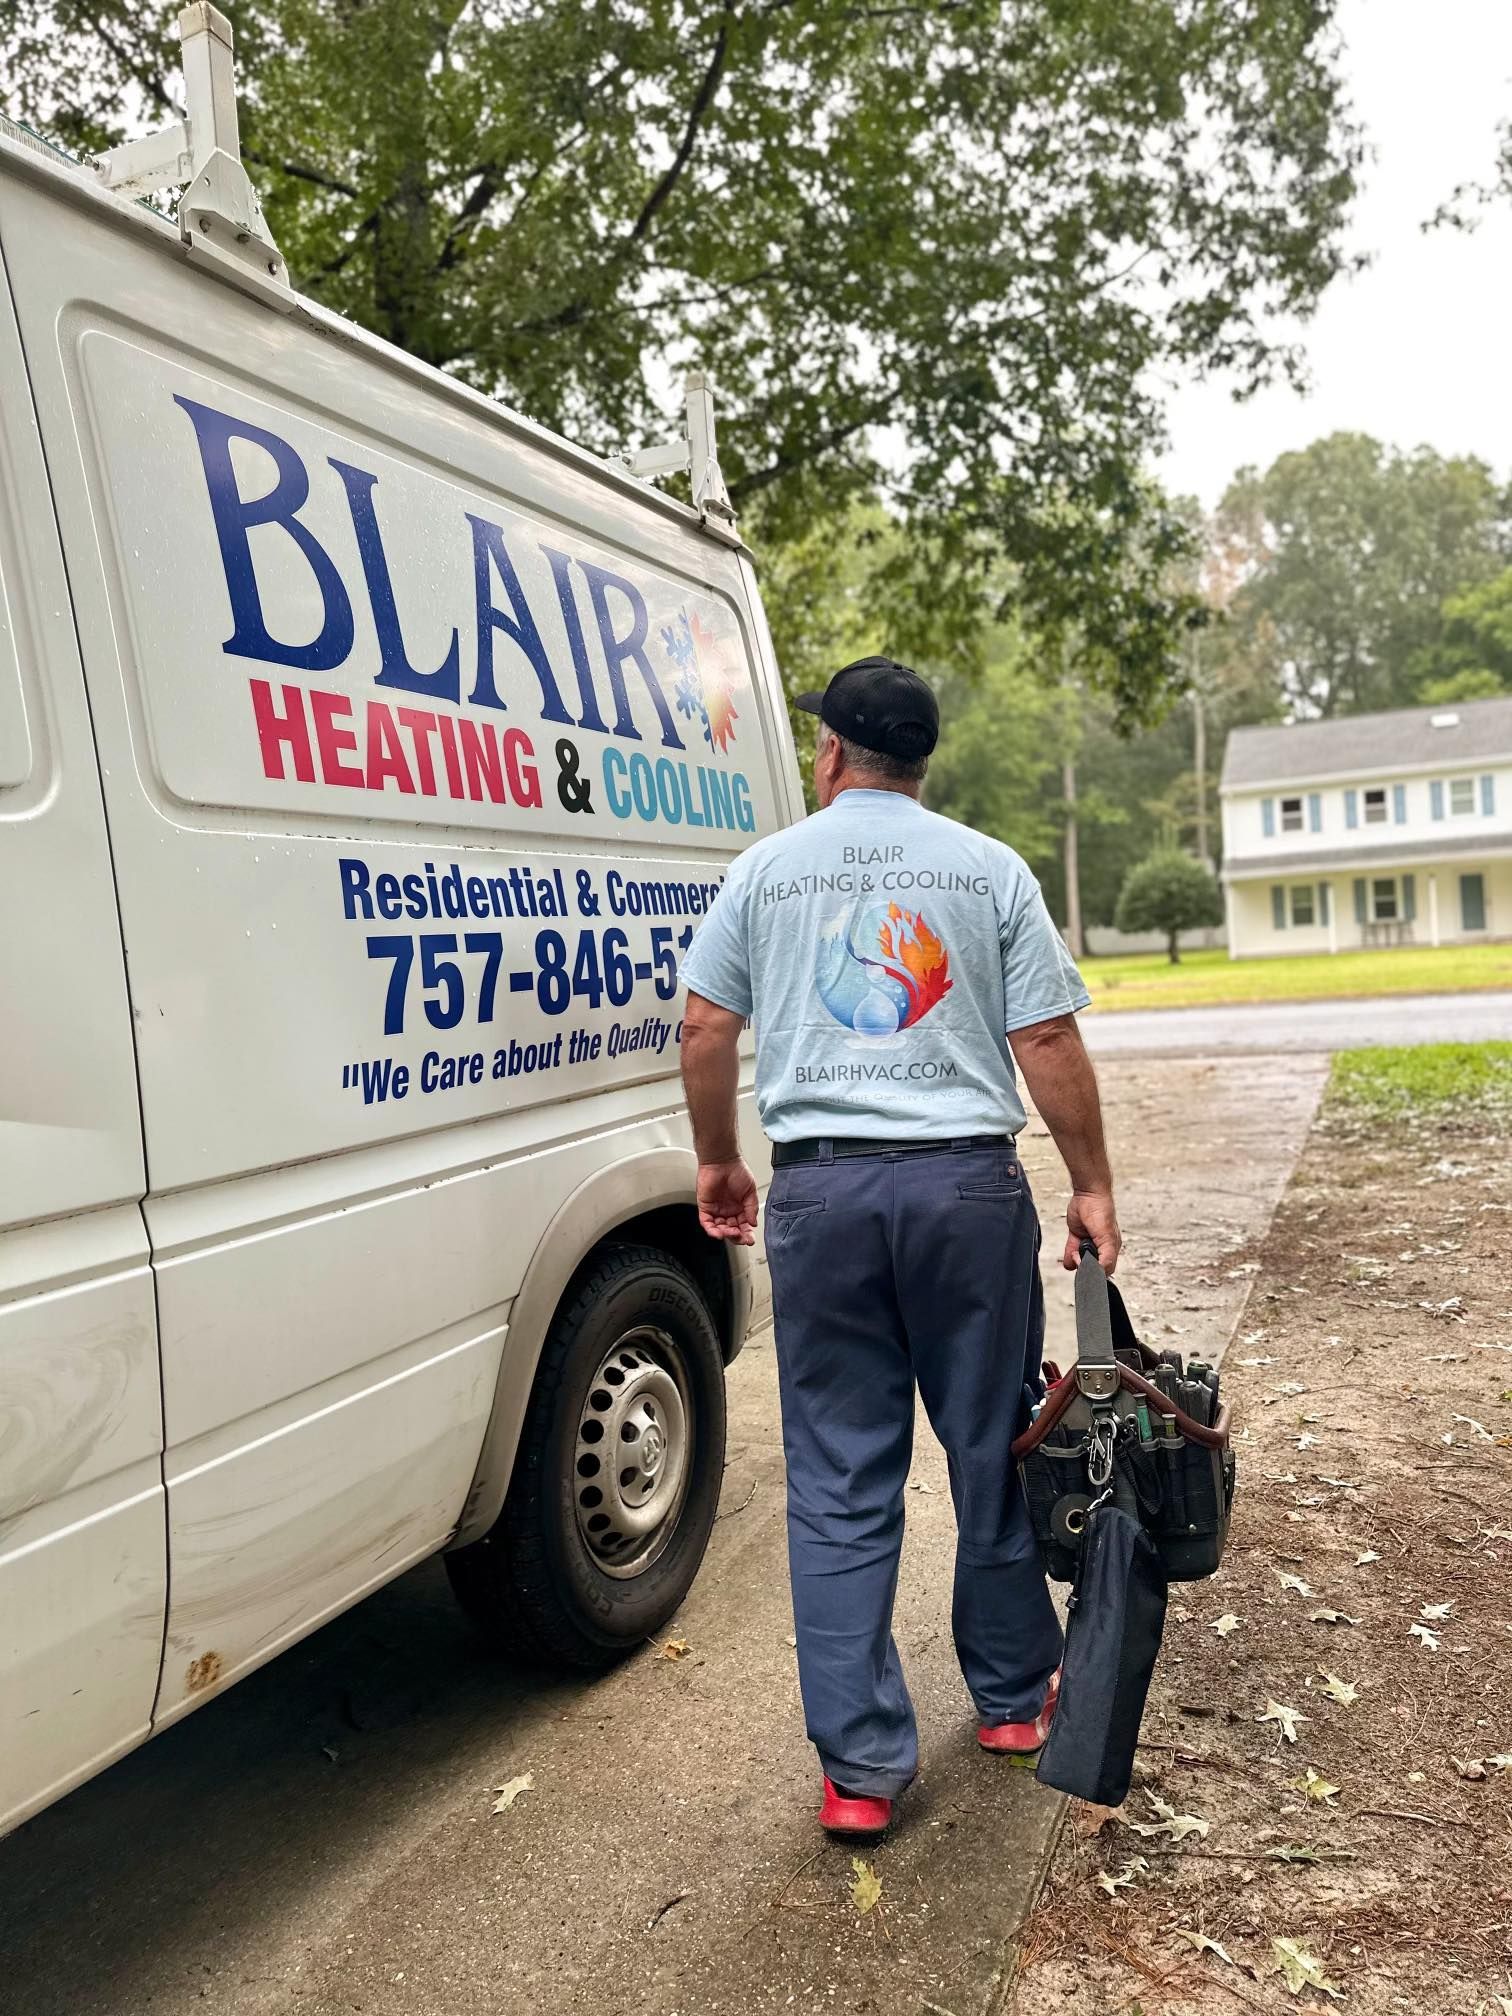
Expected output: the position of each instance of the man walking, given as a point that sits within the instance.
(895, 965)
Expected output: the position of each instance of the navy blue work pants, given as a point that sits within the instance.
(887, 1271)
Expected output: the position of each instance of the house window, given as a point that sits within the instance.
(1291, 815)
(1303, 900)
(1375, 808)
(1383, 899)
(1461, 795)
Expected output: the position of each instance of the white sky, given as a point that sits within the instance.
(1417, 349)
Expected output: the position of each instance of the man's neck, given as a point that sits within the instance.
(865, 783)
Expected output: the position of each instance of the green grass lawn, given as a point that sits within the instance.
(1425, 1079)
(1148, 980)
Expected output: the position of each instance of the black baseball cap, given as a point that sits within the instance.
(882, 705)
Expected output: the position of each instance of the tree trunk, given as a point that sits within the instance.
(1174, 948)
(1199, 775)
(1074, 939)
(1199, 769)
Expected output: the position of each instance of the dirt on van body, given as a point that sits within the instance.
(1356, 1852)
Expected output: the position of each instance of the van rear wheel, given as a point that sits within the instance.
(616, 1480)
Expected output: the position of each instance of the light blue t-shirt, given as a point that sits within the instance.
(883, 953)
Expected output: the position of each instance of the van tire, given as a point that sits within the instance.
(533, 1584)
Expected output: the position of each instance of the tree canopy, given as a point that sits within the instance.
(941, 254)
(1347, 553)
(1472, 656)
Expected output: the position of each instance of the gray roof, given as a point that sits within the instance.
(1368, 745)
(1363, 858)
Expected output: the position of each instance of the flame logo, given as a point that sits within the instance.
(926, 965)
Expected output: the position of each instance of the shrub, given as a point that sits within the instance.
(1168, 892)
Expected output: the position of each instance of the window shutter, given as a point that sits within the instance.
(1359, 899)
(1399, 803)
(1278, 907)
(1268, 817)
(1351, 808)
(1409, 898)
(1315, 811)
(1436, 794)
(1488, 795)
(1323, 901)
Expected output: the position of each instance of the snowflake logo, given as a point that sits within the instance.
(701, 693)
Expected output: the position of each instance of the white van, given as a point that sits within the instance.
(367, 758)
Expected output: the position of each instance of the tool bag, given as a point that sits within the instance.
(1130, 1426)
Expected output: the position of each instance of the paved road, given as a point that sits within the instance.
(321, 1842)
(1272, 1026)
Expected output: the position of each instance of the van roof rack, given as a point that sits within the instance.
(219, 217)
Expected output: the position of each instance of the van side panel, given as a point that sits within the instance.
(425, 747)
(82, 1555)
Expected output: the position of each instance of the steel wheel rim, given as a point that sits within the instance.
(634, 1440)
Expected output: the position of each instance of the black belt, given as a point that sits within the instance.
(842, 1147)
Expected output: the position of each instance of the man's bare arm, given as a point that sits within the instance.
(1061, 1082)
(711, 1077)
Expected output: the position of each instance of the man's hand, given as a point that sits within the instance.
(727, 1201)
(1090, 1215)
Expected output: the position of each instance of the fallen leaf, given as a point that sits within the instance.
(1437, 1612)
(1469, 1767)
(510, 1792)
(1090, 1818)
(1259, 1361)
(1301, 1969)
(1363, 1560)
(1280, 1477)
(1496, 1532)
(1337, 1689)
(1339, 1483)
(675, 1648)
(866, 1891)
(1201, 1943)
(1176, 1825)
(1132, 1870)
(1476, 1427)
(1286, 1718)
(1291, 1387)
(1501, 1762)
(1295, 1582)
(1417, 1777)
(1306, 1441)
(1316, 1786)
(1226, 1623)
(791, 1644)
(1429, 1638)
(919, 1485)
(1330, 1617)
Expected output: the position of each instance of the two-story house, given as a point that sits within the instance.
(1377, 829)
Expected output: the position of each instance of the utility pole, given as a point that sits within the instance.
(1074, 942)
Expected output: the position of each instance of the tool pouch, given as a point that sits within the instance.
(1132, 1426)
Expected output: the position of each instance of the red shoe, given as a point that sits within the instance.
(853, 1817)
(1022, 1739)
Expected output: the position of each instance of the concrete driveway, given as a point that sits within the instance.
(1276, 1026)
(321, 1840)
